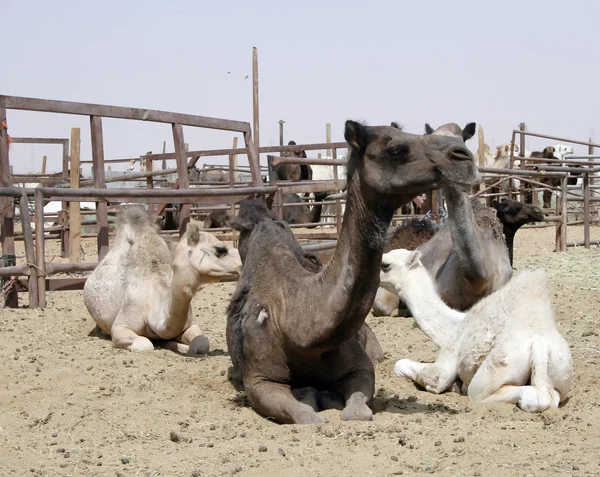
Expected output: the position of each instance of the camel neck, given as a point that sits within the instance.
(351, 277)
(463, 231)
(436, 319)
(179, 304)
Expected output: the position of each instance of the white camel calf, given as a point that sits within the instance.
(506, 348)
(142, 290)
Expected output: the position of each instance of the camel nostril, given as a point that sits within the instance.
(460, 153)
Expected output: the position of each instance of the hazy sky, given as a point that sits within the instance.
(495, 63)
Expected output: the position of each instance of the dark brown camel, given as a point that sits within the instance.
(513, 215)
(302, 214)
(410, 234)
(217, 219)
(547, 153)
(293, 172)
(288, 328)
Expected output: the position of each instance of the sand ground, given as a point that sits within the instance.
(71, 405)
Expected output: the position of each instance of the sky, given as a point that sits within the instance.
(495, 63)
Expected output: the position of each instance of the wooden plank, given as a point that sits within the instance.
(255, 103)
(74, 209)
(88, 109)
(182, 174)
(244, 150)
(29, 252)
(99, 183)
(6, 204)
(40, 247)
(43, 164)
(38, 140)
(232, 178)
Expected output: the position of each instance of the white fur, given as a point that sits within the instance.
(505, 349)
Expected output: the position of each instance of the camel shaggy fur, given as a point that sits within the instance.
(506, 348)
(292, 333)
(142, 289)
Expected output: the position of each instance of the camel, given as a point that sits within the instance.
(468, 255)
(142, 290)
(513, 215)
(302, 214)
(207, 174)
(293, 172)
(506, 348)
(292, 333)
(217, 219)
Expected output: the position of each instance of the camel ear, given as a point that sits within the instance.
(412, 261)
(356, 135)
(469, 131)
(428, 129)
(193, 233)
(396, 125)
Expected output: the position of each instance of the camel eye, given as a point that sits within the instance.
(399, 151)
(220, 251)
(385, 267)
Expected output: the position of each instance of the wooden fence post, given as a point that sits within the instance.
(99, 183)
(74, 207)
(182, 174)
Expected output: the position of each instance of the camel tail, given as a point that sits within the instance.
(134, 216)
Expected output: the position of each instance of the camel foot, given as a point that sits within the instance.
(357, 411)
(199, 345)
(308, 396)
(309, 417)
(141, 344)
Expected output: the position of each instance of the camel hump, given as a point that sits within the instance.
(134, 216)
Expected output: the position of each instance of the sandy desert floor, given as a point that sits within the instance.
(71, 405)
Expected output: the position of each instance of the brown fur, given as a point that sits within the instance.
(410, 234)
(289, 329)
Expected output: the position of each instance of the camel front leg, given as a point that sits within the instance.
(434, 377)
(276, 401)
(528, 398)
(191, 342)
(357, 385)
(123, 337)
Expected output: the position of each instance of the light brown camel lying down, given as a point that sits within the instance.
(142, 289)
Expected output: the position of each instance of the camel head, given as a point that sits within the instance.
(561, 150)
(504, 150)
(396, 164)
(548, 152)
(201, 258)
(400, 269)
(515, 213)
